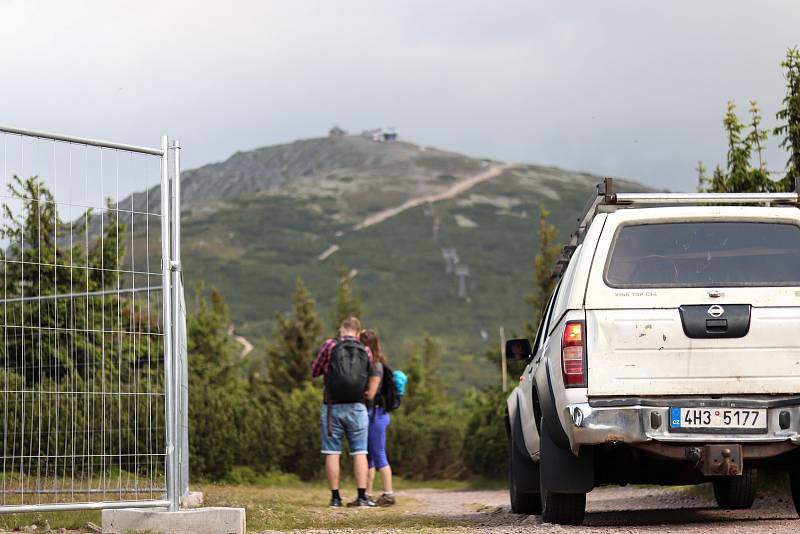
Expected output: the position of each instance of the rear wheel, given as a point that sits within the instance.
(737, 492)
(523, 476)
(561, 508)
(794, 480)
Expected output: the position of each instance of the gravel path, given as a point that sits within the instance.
(615, 510)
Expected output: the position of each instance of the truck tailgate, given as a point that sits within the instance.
(647, 352)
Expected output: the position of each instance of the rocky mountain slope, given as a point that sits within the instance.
(391, 212)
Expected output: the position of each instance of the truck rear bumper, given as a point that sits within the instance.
(590, 424)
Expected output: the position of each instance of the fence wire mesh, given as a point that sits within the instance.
(82, 385)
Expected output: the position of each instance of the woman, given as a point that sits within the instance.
(378, 421)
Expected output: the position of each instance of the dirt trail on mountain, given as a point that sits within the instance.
(247, 347)
(456, 189)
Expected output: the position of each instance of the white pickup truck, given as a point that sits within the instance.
(669, 353)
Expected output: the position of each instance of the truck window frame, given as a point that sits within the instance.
(547, 313)
(623, 226)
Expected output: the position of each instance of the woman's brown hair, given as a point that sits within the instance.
(370, 339)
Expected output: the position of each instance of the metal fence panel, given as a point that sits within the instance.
(89, 389)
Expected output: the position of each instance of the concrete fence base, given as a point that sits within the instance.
(196, 521)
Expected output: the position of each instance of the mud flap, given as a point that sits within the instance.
(562, 471)
(527, 478)
(550, 416)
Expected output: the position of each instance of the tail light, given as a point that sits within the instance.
(573, 354)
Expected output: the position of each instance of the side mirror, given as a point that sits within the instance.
(518, 349)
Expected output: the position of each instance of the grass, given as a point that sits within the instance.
(304, 506)
(53, 520)
(245, 476)
(69, 520)
(279, 501)
(282, 502)
(295, 506)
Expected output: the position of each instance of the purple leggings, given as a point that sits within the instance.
(376, 446)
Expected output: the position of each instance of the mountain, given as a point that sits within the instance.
(320, 167)
(387, 210)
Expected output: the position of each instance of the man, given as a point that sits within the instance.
(345, 364)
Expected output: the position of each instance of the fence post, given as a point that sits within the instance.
(503, 364)
(179, 332)
(169, 370)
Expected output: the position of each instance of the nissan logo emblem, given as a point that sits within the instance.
(716, 310)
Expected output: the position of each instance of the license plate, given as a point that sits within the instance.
(724, 419)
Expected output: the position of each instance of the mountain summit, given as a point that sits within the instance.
(316, 167)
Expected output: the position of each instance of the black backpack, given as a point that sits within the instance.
(348, 372)
(389, 395)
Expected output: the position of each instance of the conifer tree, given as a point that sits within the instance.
(109, 250)
(790, 115)
(424, 386)
(32, 235)
(347, 302)
(757, 175)
(45, 265)
(740, 175)
(757, 136)
(543, 265)
(295, 339)
(39, 261)
(216, 394)
(209, 343)
(702, 179)
(431, 353)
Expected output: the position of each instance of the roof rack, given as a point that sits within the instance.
(606, 196)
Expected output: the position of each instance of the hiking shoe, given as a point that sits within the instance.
(335, 503)
(385, 500)
(361, 503)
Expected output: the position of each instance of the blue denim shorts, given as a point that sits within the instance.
(349, 420)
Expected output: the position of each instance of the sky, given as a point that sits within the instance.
(623, 88)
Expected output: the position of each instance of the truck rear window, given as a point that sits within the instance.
(705, 254)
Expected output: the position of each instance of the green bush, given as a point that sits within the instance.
(426, 436)
(426, 444)
(243, 430)
(485, 440)
(301, 437)
(227, 425)
(212, 432)
(261, 432)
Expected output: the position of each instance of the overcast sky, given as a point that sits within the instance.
(627, 88)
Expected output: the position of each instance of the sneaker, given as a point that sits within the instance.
(335, 503)
(361, 503)
(385, 500)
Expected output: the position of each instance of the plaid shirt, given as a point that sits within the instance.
(323, 359)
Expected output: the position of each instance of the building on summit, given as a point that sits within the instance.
(336, 132)
(381, 135)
